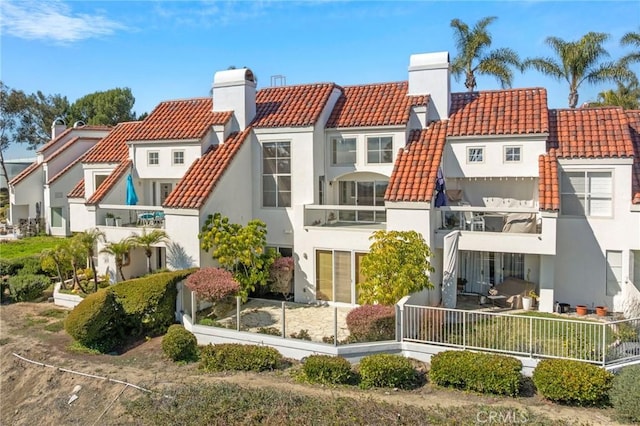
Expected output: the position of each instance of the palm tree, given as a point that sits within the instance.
(88, 240)
(631, 39)
(147, 241)
(627, 97)
(579, 61)
(119, 250)
(472, 58)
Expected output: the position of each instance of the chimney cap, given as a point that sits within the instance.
(234, 76)
(429, 60)
(58, 121)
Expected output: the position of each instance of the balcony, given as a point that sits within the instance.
(365, 217)
(522, 220)
(115, 215)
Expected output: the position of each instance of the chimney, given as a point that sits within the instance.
(57, 127)
(235, 90)
(429, 74)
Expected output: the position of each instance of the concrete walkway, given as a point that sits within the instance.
(317, 320)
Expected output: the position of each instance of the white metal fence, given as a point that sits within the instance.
(603, 343)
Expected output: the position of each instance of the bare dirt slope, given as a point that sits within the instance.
(32, 394)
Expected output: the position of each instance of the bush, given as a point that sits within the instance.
(625, 394)
(327, 369)
(572, 382)
(96, 321)
(213, 284)
(180, 344)
(27, 287)
(370, 323)
(387, 371)
(21, 265)
(238, 357)
(303, 334)
(480, 372)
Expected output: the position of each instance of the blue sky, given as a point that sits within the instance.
(170, 50)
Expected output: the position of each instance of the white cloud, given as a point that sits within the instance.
(52, 20)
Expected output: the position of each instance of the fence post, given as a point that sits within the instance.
(335, 326)
(530, 337)
(604, 345)
(284, 321)
(238, 302)
(464, 329)
(194, 306)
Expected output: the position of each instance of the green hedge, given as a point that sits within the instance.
(238, 357)
(133, 309)
(572, 382)
(480, 372)
(387, 371)
(27, 287)
(180, 344)
(625, 394)
(21, 265)
(96, 322)
(327, 369)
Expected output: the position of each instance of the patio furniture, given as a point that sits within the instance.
(473, 222)
(158, 218)
(145, 219)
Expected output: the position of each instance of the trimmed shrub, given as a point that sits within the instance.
(327, 369)
(96, 322)
(30, 265)
(238, 357)
(370, 323)
(149, 302)
(27, 287)
(625, 394)
(572, 382)
(387, 371)
(180, 344)
(480, 372)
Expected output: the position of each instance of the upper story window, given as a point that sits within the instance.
(276, 174)
(177, 158)
(380, 149)
(97, 181)
(587, 193)
(153, 158)
(512, 154)
(475, 154)
(343, 151)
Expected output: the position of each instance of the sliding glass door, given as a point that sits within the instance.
(336, 273)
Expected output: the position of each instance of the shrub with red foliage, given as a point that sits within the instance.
(281, 273)
(212, 284)
(369, 323)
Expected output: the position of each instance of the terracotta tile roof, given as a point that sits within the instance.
(180, 119)
(415, 171)
(77, 191)
(113, 148)
(498, 112)
(548, 186)
(109, 182)
(196, 185)
(291, 106)
(589, 133)
(383, 104)
(26, 172)
(634, 128)
(69, 130)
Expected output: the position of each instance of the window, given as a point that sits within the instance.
(636, 267)
(362, 193)
(153, 158)
(343, 151)
(586, 193)
(321, 190)
(512, 154)
(178, 158)
(97, 181)
(614, 272)
(284, 251)
(475, 154)
(276, 174)
(336, 271)
(380, 149)
(56, 217)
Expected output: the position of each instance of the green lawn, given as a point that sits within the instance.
(13, 249)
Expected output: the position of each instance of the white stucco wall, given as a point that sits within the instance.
(25, 195)
(165, 168)
(82, 217)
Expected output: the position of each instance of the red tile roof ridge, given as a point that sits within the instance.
(112, 148)
(293, 86)
(109, 182)
(512, 89)
(77, 191)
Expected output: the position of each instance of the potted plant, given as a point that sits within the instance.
(581, 309)
(118, 221)
(109, 219)
(528, 300)
(601, 311)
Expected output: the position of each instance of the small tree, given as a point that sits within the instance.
(119, 250)
(396, 265)
(57, 260)
(147, 241)
(239, 249)
(213, 284)
(88, 240)
(281, 273)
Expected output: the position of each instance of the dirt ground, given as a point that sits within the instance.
(32, 394)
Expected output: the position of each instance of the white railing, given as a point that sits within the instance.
(130, 216)
(595, 342)
(340, 215)
(489, 219)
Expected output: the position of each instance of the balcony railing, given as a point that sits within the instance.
(130, 216)
(525, 220)
(341, 216)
